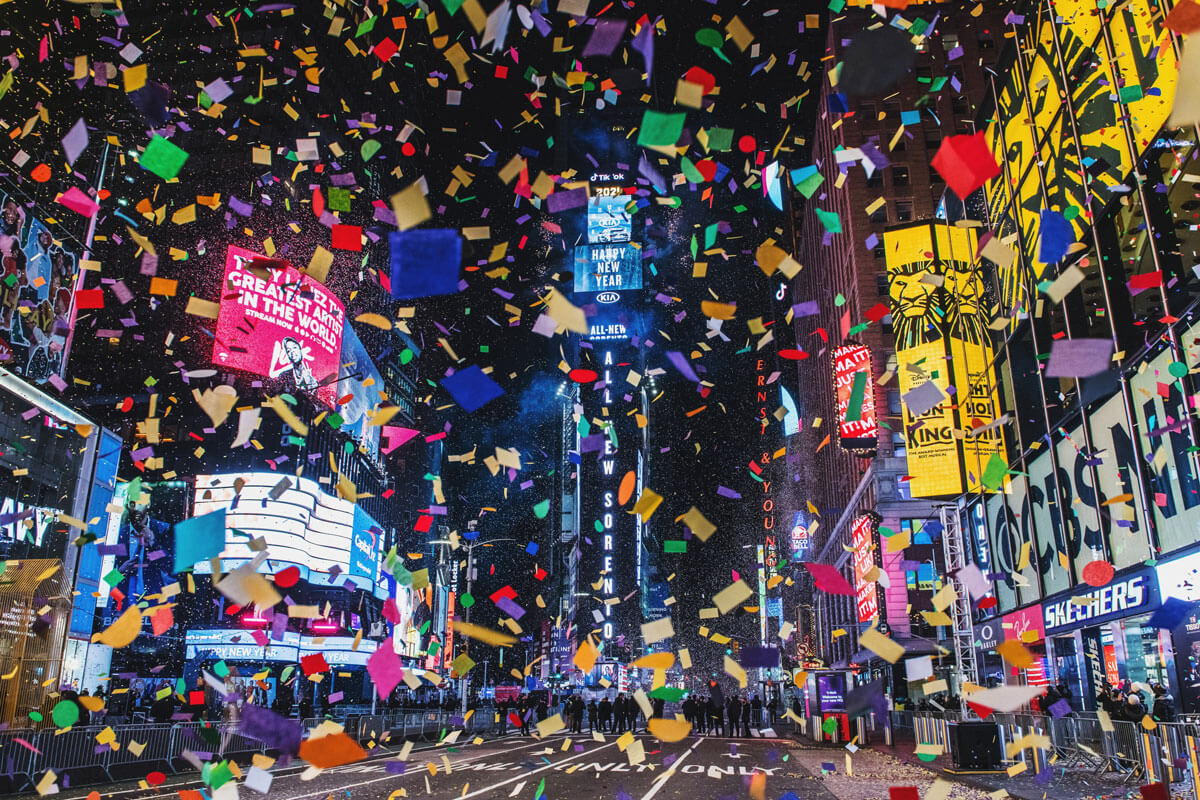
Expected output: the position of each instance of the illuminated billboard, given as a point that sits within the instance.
(36, 296)
(857, 424)
(866, 598)
(224, 644)
(940, 324)
(1035, 138)
(279, 323)
(799, 538)
(608, 267)
(608, 220)
(302, 525)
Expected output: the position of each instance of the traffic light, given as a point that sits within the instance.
(728, 652)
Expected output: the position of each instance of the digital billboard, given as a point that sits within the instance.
(866, 598)
(36, 295)
(1068, 52)
(799, 538)
(362, 382)
(220, 644)
(286, 325)
(940, 323)
(301, 524)
(608, 267)
(857, 424)
(608, 220)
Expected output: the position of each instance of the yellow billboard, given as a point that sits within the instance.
(939, 321)
(1032, 134)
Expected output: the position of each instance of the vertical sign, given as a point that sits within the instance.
(940, 322)
(861, 536)
(858, 428)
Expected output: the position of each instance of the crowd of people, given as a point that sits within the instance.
(735, 716)
(1124, 701)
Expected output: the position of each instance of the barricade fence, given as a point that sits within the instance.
(101, 753)
(1164, 751)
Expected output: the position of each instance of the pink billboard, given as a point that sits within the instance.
(286, 326)
(1026, 625)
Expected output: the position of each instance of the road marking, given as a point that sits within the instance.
(673, 770)
(288, 772)
(526, 775)
(348, 786)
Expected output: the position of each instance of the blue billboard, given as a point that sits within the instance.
(608, 220)
(608, 268)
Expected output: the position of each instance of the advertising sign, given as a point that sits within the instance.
(857, 424)
(800, 540)
(1180, 578)
(239, 645)
(286, 326)
(362, 382)
(831, 692)
(302, 525)
(608, 220)
(943, 347)
(1135, 593)
(1041, 155)
(37, 284)
(866, 599)
(1024, 625)
(608, 267)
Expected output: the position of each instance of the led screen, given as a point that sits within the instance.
(285, 326)
(608, 268)
(608, 220)
(301, 524)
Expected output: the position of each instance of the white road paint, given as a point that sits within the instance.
(288, 772)
(526, 775)
(348, 786)
(672, 771)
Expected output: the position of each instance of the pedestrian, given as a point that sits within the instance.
(689, 711)
(593, 719)
(773, 709)
(621, 713)
(701, 712)
(605, 708)
(733, 711)
(756, 708)
(747, 714)
(1133, 709)
(1164, 704)
(577, 716)
(716, 716)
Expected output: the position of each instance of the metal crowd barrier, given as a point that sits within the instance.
(134, 750)
(1170, 751)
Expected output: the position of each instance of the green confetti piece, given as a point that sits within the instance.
(466, 601)
(369, 148)
(994, 472)
(660, 129)
(857, 392)
(36, 716)
(339, 198)
(671, 694)
(541, 509)
(163, 158)
(65, 714)
(674, 546)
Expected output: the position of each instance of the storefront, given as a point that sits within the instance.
(1180, 578)
(1100, 635)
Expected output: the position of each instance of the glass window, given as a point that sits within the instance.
(876, 179)
(986, 42)
(899, 446)
(904, 211)
(949, 41)
(959, 106)
(899, 175)
(879, 215)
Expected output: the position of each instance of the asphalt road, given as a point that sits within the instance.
(514, 767)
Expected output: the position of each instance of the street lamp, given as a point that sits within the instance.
(471, 545)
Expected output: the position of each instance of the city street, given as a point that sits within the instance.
(572, 767)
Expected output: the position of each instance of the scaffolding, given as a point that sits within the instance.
(955, 550)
